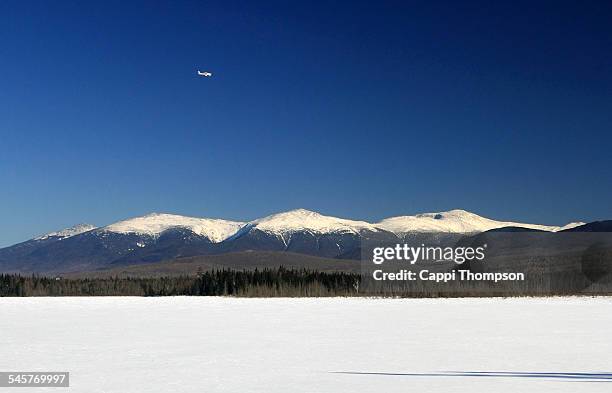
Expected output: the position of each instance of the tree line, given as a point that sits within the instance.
(256, 283)
(282, 282)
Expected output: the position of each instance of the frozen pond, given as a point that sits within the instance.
(199, 344)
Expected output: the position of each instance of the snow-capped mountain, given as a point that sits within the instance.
(303, 231)
(456, 221)
(302, 220)
(149, 238)
(156, 237)
(16, 257)
(68, 232)
(155, 224)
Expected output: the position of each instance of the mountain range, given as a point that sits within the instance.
(158, 237)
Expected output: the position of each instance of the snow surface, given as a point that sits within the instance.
(68, 232)
(155, 223)
(183, 344)
(300, 220)
(456, 221)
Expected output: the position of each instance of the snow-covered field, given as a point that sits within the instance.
(190, 344)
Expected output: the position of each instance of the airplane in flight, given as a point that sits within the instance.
(205, 73)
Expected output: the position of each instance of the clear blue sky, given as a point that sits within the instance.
(357, 109)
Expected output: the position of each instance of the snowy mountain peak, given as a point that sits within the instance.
(296, 214)
(306, 220)
(450, 213)
(154, 224)
(455, 221)
(570, 225)
(68, 232)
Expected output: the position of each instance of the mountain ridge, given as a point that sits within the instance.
(452, 221)
(458, 221)
(161, 236)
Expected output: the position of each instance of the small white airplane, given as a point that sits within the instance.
(205, 73)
